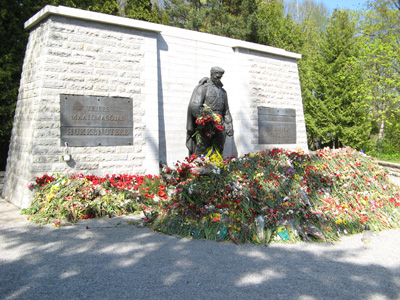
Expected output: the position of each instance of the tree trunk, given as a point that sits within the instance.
(381, 131)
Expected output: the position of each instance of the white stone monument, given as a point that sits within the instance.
(84, 57)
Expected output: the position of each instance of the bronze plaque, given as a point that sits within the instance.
(276, 125)
(96, 121)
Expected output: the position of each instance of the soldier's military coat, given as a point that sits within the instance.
(206, 92)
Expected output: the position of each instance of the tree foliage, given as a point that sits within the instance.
(380, 61)
(251, 20)
(277, 28)
(12, 49)
(111, 7)
(231, 18)
(140, 10)
(339, 116)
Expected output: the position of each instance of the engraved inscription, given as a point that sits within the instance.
(98, 108)
(97, 131)
(94, 121)
(113, 118)
(279, 118)
(276, 125)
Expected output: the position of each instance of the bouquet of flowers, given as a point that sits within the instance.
(208, 123)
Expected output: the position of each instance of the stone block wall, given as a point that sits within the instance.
(77, 52)
(254, 76)
(273, 81)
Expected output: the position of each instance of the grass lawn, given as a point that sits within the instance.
(394, 158)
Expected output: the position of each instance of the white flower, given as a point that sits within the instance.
(191, 188)
(216, 171)
(126, 201)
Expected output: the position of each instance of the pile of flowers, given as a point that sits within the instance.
(281, 195)
(71, 197)
(258, 198)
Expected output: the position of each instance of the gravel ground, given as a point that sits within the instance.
(110, 259)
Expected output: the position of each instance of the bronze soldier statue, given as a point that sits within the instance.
(209, 91)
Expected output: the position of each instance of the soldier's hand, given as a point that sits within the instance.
(229, 131)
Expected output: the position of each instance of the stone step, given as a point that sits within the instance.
(397, 174)
(393, 168)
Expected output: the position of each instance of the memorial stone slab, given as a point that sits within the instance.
(276, 125)
(96, 121)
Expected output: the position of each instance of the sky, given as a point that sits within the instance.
(345, 4)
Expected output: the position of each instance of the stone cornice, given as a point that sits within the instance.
(90, 16)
